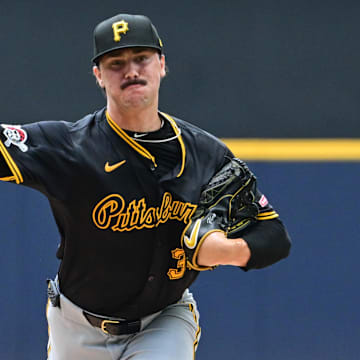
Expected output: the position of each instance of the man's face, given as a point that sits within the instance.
(131, 77)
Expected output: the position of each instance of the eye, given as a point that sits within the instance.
(116, 63)
(141, 58)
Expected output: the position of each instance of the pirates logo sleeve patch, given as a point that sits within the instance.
(15, 135)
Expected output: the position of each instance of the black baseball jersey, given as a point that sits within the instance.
(119, 217)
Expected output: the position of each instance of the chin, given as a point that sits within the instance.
(137, 102)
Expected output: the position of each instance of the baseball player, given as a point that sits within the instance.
(124, 184)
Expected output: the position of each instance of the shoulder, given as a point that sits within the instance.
(34, 133)
(88, 121)
(50, 131)
(202, 148)
(71, 131)
(198, 137)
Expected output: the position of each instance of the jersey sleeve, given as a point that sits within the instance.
(266, 211)
(268, 239)
(11, 135)
(28, 152)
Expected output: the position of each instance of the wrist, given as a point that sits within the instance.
(238, 252)
(217, 249)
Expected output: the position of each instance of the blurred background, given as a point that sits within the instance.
(243, 70)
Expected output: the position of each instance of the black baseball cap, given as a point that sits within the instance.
(124, 31)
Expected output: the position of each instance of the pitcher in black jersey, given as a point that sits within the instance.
(123, 183)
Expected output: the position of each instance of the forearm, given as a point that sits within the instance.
(218, 250)
(261, 245)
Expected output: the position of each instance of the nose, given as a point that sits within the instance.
(132, 71)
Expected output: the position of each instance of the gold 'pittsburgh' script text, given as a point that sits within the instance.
(113, 212)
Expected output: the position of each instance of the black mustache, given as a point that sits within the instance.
(133, 82)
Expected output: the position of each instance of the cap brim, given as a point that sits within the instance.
(98, 56)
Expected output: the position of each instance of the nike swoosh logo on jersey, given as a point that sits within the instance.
(109, 168)
(191, 241)
(136, 135)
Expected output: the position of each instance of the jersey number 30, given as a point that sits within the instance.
(178, 273)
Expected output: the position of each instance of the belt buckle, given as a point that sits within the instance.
(104, 322)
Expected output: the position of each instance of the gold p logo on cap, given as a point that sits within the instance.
(119, 27)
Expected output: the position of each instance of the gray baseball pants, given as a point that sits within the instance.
(171, 334)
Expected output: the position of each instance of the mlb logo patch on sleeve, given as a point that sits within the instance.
(15, 135)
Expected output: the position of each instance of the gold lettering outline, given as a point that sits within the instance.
(136, 215)
(178, 273)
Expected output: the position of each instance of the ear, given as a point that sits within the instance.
(97, 74)
(163, 66)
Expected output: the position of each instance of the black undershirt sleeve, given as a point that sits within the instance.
(268, 241)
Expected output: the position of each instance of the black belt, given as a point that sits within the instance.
(113, 327)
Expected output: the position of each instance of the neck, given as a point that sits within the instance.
(139, 120)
